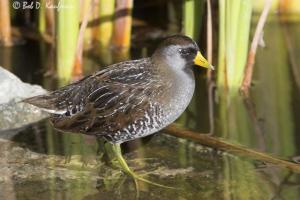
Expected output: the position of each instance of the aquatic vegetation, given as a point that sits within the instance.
(235, 18)
(5, 25)
(106, 20)
(192, 16)
(67, 19)
(42, 18)
(122, 25)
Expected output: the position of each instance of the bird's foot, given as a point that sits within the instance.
(136, 177)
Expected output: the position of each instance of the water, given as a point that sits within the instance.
(39, 162)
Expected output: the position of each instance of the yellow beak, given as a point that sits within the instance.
(201, 61)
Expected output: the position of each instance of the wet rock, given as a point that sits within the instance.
(12, 88)
(13, 113)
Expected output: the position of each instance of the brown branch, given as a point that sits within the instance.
(249, 72)
(50, 19)
(122, 24)
(252, 52)
(220, 144)
(210, 82)
(209, 33)
(77, 69)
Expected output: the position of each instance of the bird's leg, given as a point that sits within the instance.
(118, 153)
(116, 148)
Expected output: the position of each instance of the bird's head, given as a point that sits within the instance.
(180, 51)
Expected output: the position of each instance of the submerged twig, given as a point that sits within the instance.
(252, 52)
(211, 87)
(220, 144)
(258, 130)
(210, 82)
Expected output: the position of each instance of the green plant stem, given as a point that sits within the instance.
(67, 35)
(106, 12)
(42, 17)
(192, 14)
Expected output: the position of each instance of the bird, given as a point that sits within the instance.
(128, 100)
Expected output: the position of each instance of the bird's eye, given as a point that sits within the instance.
(184, 51)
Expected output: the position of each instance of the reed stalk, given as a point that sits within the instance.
(192, 14)
(192, 23)
(245, 86)
(258, 6)
(5, 25)
(234, 25)
(210, 81)
(68, 43)
(87, 10)
(106, 13)
(93, 25)
(67, 35)
(105, 30)
(50, 19)
(235, 16)
(222, 74)
(234, 120)
(122, 25)
(42, 17)
(77, 70)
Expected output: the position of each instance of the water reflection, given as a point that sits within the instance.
(270, 128)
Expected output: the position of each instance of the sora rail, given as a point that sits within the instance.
(128, 100)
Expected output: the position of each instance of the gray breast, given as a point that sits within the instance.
(183, 91)
(159, 115)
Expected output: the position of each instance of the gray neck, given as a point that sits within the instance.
(183, 89)
(182, 80)
(185, 85)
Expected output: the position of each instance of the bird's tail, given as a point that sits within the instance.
(45, 102)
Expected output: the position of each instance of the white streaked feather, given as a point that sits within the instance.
(59, 112)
